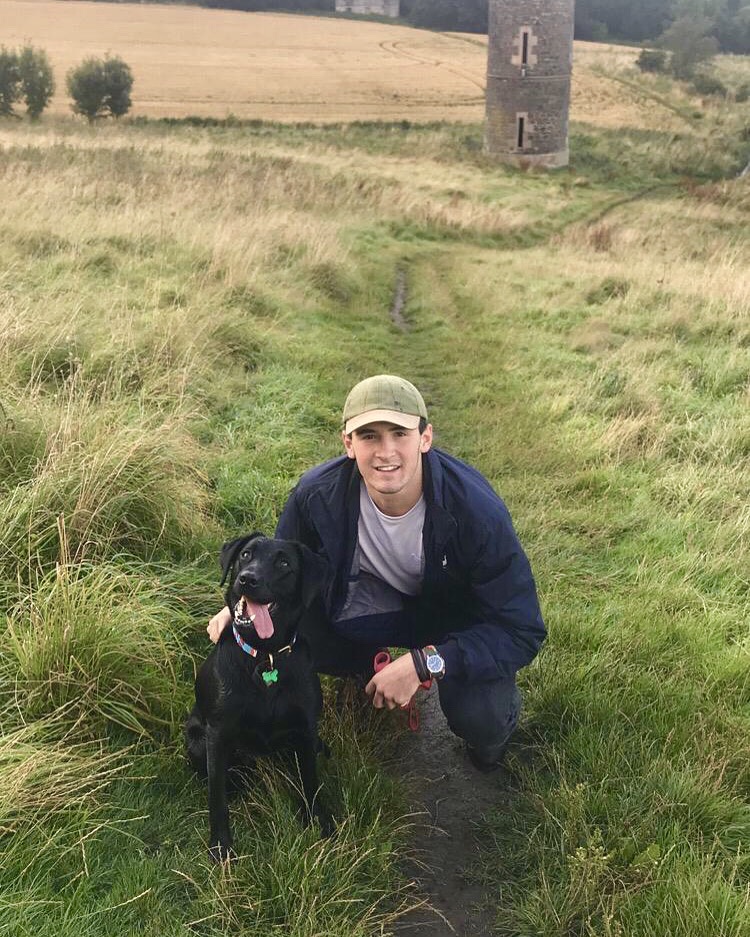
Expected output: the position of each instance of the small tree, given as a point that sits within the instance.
(100, 87)
(85, 84)
(119, 81)
(10, 81)
(688, 41)
(652, 60)
(37, 81)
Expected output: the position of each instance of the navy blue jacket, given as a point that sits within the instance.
(478, 602)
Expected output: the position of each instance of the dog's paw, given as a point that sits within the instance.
(221, 852)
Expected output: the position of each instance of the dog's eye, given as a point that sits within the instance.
(244, 555)
(282, 562)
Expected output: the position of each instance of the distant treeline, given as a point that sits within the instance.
(461, 15)
(632, 20)
(646, 20)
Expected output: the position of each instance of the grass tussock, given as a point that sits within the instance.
(83, 472)
(100, 644)
(44, 772)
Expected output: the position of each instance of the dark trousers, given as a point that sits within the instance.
(484, 713)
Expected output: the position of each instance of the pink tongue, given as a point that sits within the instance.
(262, 623)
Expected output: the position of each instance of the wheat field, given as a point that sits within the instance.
(189, 60)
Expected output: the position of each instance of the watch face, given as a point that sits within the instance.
(435, 663)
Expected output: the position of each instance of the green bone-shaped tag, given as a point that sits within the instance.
(270, 676)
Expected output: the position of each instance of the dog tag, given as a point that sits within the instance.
(270, 676)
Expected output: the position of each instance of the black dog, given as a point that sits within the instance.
(257, 692)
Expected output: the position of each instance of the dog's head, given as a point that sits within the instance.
(271, 582)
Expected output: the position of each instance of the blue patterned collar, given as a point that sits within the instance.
(253, 652)
(243, 644)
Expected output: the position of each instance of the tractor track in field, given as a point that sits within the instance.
(395, 48)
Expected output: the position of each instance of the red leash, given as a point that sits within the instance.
(382, 659)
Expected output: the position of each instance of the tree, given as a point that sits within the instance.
(118, 79)
(100, 87)
(10, 81)
(37, 81)
(652, 60)
(636, 19)
(732, 28)
(688, 41)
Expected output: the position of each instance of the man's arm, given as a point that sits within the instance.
(509, 629)
(218, 623)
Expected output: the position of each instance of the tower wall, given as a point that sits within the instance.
(529, 66)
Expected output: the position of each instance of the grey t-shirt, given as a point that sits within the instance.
(391, 547)
(388, 562)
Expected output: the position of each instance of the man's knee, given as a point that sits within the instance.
(483, 714)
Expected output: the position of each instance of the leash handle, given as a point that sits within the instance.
(381, 660)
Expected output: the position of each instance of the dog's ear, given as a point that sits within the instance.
(231, 550)
(313, 574)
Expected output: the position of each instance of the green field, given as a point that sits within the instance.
(183, 308)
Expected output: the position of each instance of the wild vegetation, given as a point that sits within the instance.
(25, 74)
(183, 305)
(100, 87)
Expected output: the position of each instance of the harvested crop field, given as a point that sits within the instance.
(189, 60)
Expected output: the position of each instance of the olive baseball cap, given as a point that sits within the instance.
(384, 398)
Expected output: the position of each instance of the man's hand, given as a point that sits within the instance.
(218, 623)
(394, 685)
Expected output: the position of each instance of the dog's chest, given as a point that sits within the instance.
(266, 720)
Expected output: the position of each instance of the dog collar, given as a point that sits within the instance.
(271, 675)
(243, 644)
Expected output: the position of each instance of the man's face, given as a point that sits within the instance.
(389, 460)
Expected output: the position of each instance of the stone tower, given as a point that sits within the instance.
(528, 81)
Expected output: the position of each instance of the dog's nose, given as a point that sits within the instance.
(248, 579)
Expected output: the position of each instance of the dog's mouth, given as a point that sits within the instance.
(247, 612)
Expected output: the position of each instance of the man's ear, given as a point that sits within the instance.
(231, 550)
(313, 574)
(348, 448)
(425, 439)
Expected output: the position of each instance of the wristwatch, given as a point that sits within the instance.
(435, 663)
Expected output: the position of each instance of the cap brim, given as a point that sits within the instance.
(407, 420)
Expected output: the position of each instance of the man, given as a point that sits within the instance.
(423, 555)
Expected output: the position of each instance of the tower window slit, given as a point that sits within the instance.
(525, 47)
(521, 132)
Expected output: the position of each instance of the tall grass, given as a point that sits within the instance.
(46, 772)
(112, 481)
(100, 644)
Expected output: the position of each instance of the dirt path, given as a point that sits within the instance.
(449, 797)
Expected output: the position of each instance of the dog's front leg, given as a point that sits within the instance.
(306, 754)
(220, 838)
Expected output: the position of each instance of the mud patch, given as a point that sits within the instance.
(399, 301)
(449, 797)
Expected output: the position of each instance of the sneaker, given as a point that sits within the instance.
(483, 763)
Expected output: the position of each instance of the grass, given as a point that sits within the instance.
(184, 307)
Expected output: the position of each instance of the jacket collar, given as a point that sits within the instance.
(443, 522)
